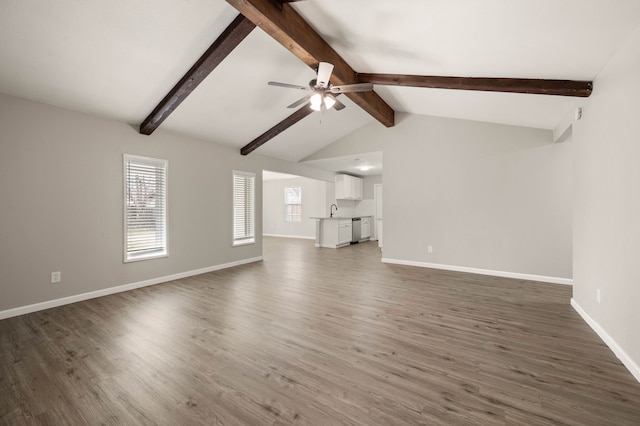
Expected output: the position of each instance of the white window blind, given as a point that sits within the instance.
(292, 204)
(145, 208)
(243, 208)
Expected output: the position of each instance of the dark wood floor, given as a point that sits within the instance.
(318, 337)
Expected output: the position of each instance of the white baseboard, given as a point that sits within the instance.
(529, 277)
(330, 246)
(289, 236)
(633, 368)
(14, 312)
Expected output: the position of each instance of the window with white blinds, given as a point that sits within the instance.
(145, 208)
(293, 204)
(243, 208)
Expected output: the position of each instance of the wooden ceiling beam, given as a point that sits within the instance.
(276, 130)
(509, 85)
(281, 2)
(215, 54)
(287, 27)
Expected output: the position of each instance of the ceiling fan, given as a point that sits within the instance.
(322, 94)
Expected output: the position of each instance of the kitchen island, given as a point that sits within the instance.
(337, 231)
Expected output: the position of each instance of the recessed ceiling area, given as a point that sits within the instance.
(364, 164)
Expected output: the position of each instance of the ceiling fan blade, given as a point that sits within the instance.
(299, 102)
(288, 86)
(324, 74)
(347, 88)
(337, 104)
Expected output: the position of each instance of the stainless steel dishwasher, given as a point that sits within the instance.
(356, 223)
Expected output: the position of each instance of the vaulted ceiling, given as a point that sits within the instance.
(119, 59)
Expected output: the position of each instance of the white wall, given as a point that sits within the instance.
(368, 187)
(367, 206)
(314, 194)
(61, 210)
(607, 205)
(485, 196)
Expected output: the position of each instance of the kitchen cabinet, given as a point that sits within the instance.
(338, 232)
(333, 233)
(365, 232)
(349, 187)
(345, 230)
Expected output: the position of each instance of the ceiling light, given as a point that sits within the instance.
(316, 102)
(364, 168)
(329, 102)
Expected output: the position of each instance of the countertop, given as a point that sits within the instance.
(338, 217)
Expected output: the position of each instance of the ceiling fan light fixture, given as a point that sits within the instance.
(316, 102)
(329, 102)
(321, 94)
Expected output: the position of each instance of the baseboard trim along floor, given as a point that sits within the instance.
(503, 274)
(633, 368)
(298, 237)
(608, 340)
(14, 312)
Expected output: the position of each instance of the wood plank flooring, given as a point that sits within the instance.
(316, 337)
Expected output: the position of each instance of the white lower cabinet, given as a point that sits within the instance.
(345, 231)
(333, 233)
(365, 231)
(337, 232)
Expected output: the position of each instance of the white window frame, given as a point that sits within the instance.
(288, 217)
(250, 236)
(161, 244)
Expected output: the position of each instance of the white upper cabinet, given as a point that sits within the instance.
(349, 187)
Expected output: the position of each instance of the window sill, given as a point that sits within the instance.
(146, 256)
(244, 242)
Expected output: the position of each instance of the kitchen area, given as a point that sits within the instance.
(338, 231)
(351, 227)
(333, 214)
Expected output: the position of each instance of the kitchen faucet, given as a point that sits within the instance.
(331, 209)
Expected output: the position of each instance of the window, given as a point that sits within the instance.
(243, 208)
(145, 208)
(293, 204)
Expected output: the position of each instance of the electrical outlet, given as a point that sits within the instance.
(429, 249)
(598, 298)
(56, 277)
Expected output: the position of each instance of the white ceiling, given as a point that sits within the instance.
(118, 59)
(363, 164)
